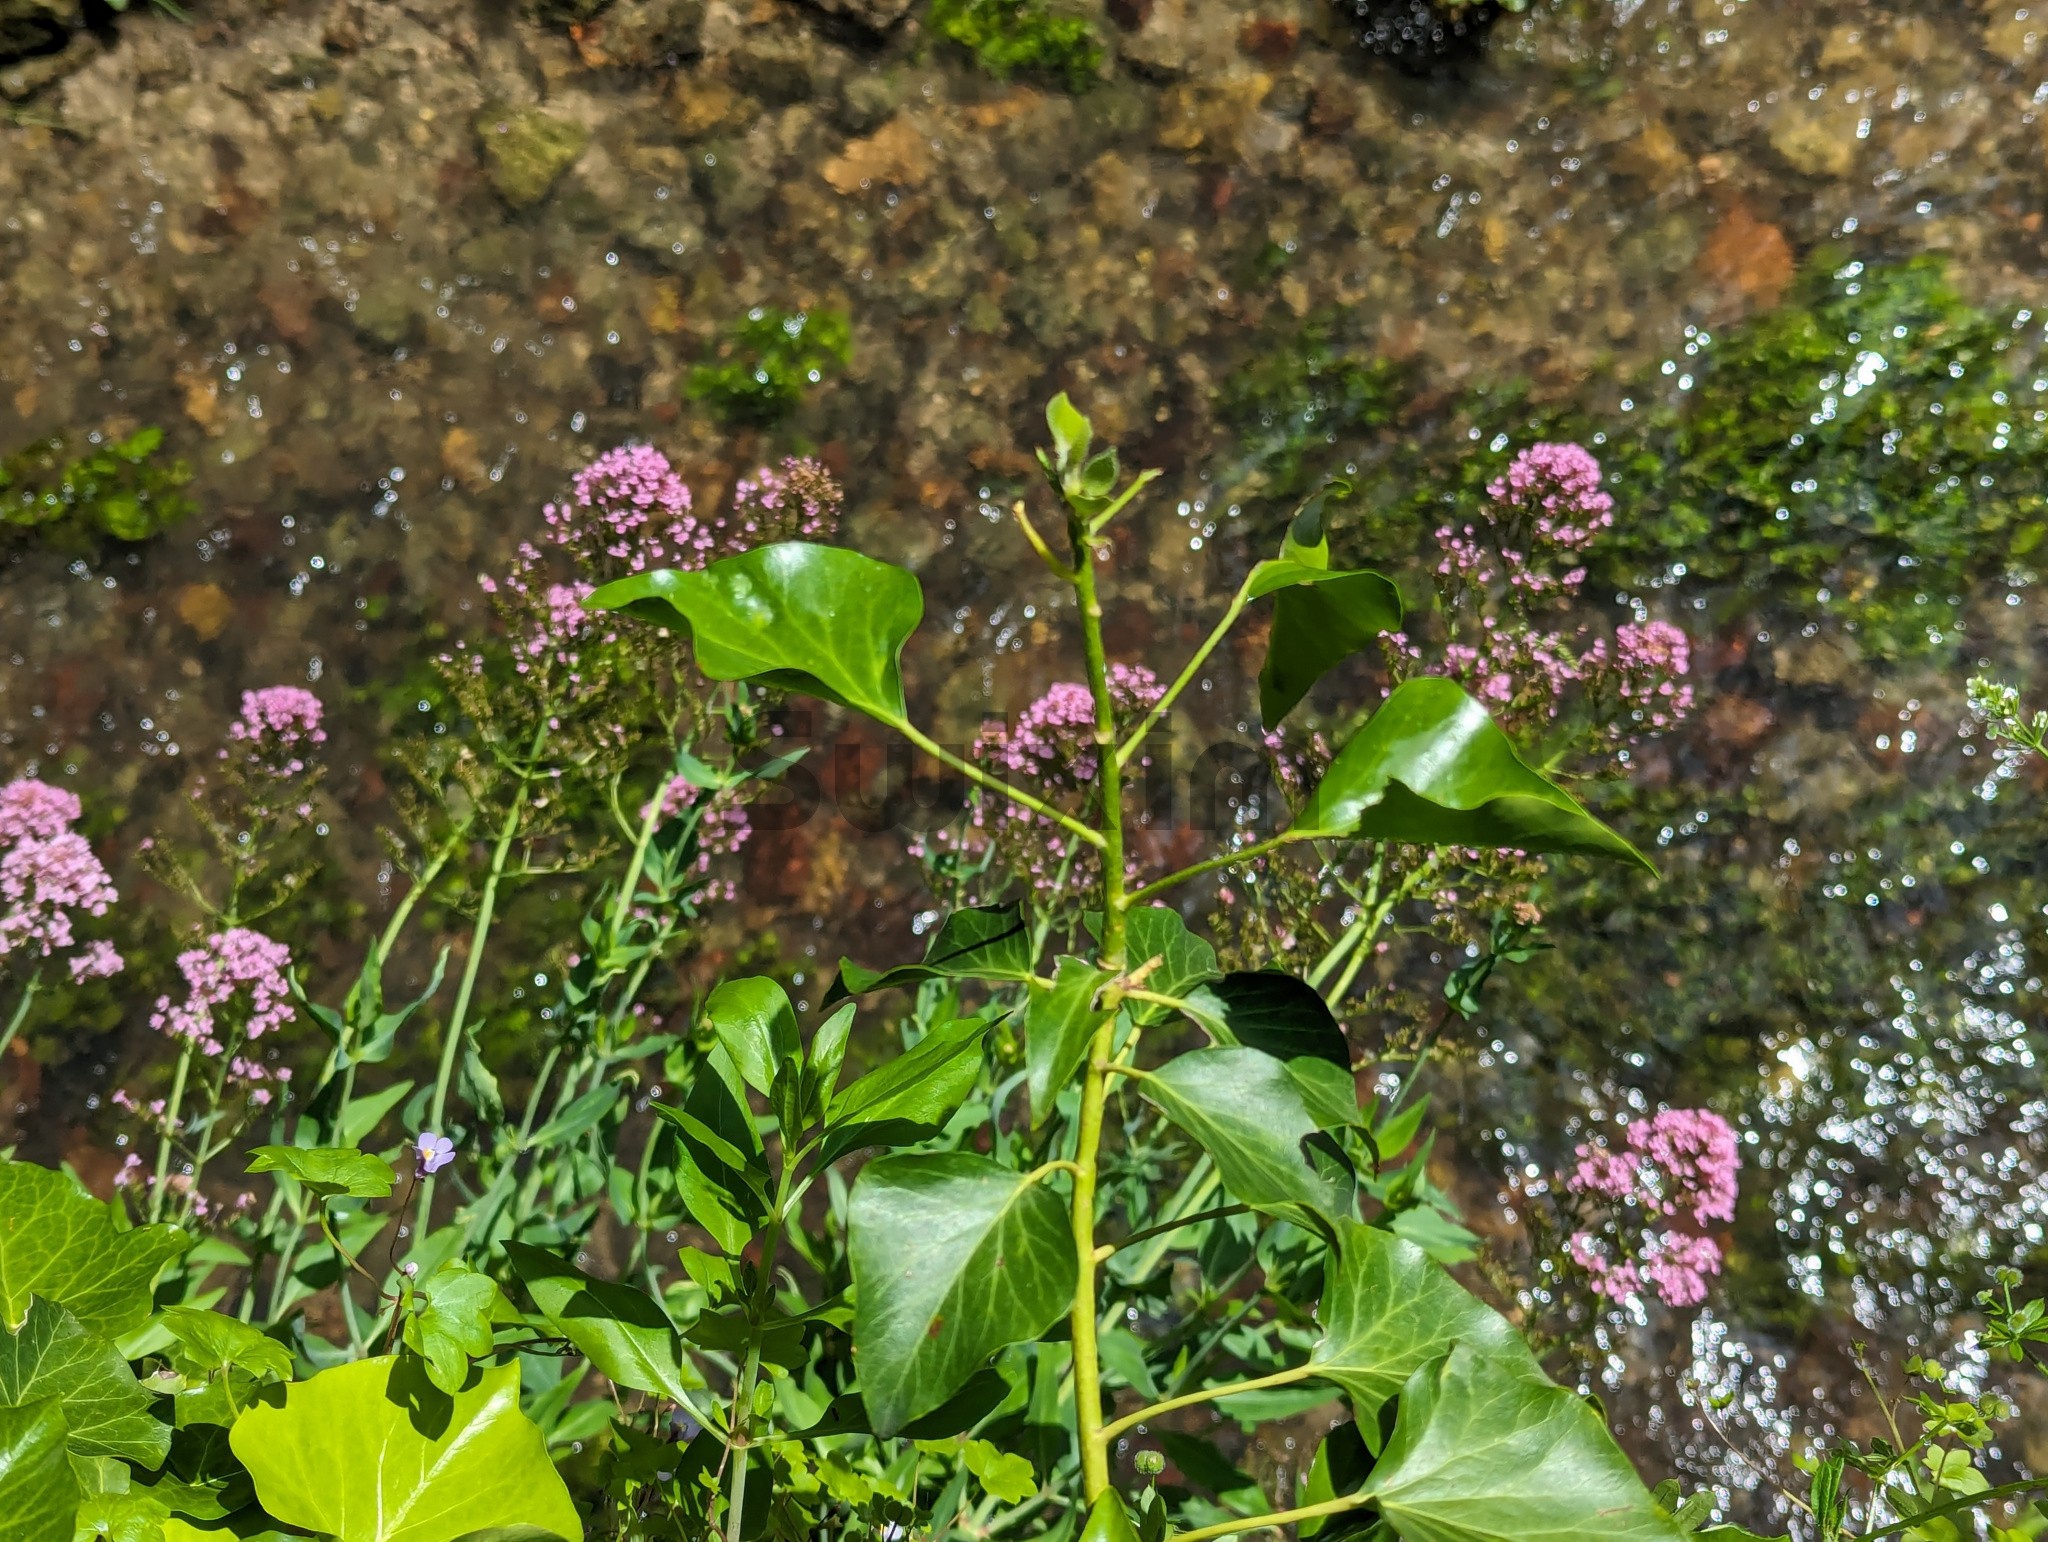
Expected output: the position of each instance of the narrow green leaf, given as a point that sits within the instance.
(328, 1171)
(1387, 1309)
(755, 1022)
(984, 942)
(816, 619)
(580, 1116)
(1059, 1022)
(910, 1098)
(620, 1329)
(1185, 960)
(58, 1242)
(825, 1059)
(1241, 1106)
(953, 1257)
(38, 1491)
(1320, 618)
(365, 1113)
(361, 1455)
(106, 1411)
(1432, 769)
(1268, 1009)
(1485, 1449)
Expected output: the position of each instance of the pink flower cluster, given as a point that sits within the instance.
(1651, 660)
(48, 875)
(799, 501)
(1679, 1167)
(627, 512)
(230, 963)
(278, 723)
(1556, 489)
(722, 830)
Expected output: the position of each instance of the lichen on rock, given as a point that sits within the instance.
(525, 151)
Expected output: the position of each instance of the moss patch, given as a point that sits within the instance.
(119, 490)
(769, 362)
(525, 151)
(1021, 37)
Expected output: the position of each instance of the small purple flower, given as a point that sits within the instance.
(435, 1151)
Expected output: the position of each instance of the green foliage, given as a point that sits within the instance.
(59, 1243)
(327, 1171)
(106, 1412)
(770, 361)
(119, 490)
(1303, 396)
(1022, 37)
(38, 1491)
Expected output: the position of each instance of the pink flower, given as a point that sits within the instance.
(1680, 1164)
(42, 881)
(1650, 661)
(1676, 1265)
(627, 512)
(1556, 488)
(801, 501)
(95, 961)
(230, 962)
(33, 810)
(278, 725)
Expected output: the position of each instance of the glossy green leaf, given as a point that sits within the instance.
(984, 942)
(329, 1171)
(755, 1022)
(1388, 1309)
(39, 1493)
(362, 1456)
(1108, 1520)
(1267, 1009)
(1071, 431)
(1243, 1108)
(451, 1323)
(1060, 1021)
(910, 1098)
(1330, 1090)
(718, 1167)
(58, 1242)
(1432, 769)
(106, 1411)
(825, 1059)
(121, 1515)
(619, 1329)
(1185, 960)
(1485, 1449)
(953, 1257)
(1320, 618)
(206, 1342)
(817, 619)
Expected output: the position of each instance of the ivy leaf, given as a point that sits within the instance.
(362, 1455)
(1320, 618)
(755, 1022)
(38, 1490)
(1003, 1475)
(208, 1342)
(58, 1242)
(454, 1325)
(1271, 1010)
(1387, 1309)
(619, 1328)
(1431, 768)
(982, 942)
(1243, 1108)
(1485, 1449)
(328, 1171)
(910, 1098)
(1060, 1020)
(106, 1411)
(953, 1257)
(1185, 960)
(817, 619)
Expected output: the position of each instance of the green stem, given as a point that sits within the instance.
(1181, 681)
(1217, 1214)
(1277, 1518)
(28, 996)
(1208, 1395)
(1209, 864)
(743, 1393)
(996, 784)
(172, 1108)
(1955, 1506)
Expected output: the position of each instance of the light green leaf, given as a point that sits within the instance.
(581, 1115)
(910, 1098)
(755, 1022)
(58, 1242)
(328, 1171)
(1387, 1309)
(358, 1454)
(208, 1342)
(983, 942)
(453, 1323)
(953, 1256)
(1185, 960)
(816, 619)
(1432, 769)
(1243, 1108)
(1003, 1475)
(1267, 1009)
(1071, 431)
(1060, 1020)
(105, 1409)
(39, 1493)
(620, 1329)
(1485, 1449)
(365, 1113)
(1320, 618)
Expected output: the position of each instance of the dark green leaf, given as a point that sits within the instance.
(984, 1392)
(58, 1242)
(723, 1195)
(38, 1490)
(328, 1171)
(1432, 769)
(106, 1412)
(953, 1257)
(755, 1022)
(1243, 1108)
(1108, 1520)
(1270, 1010)
(827, 1056)
(619, 1328)
(1060, 1021)
(816, 619)
(1204, 1466)
(1320, 619)
(1185, 960)
(1485, 1449)
(910, 1098)
(984, 942)
(581, 1115)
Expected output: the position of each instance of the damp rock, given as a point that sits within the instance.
(779, 69)
(642, 34)
(875, 16)
(29, 27)
(525, 151)
(866, 99)
(24, 77)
